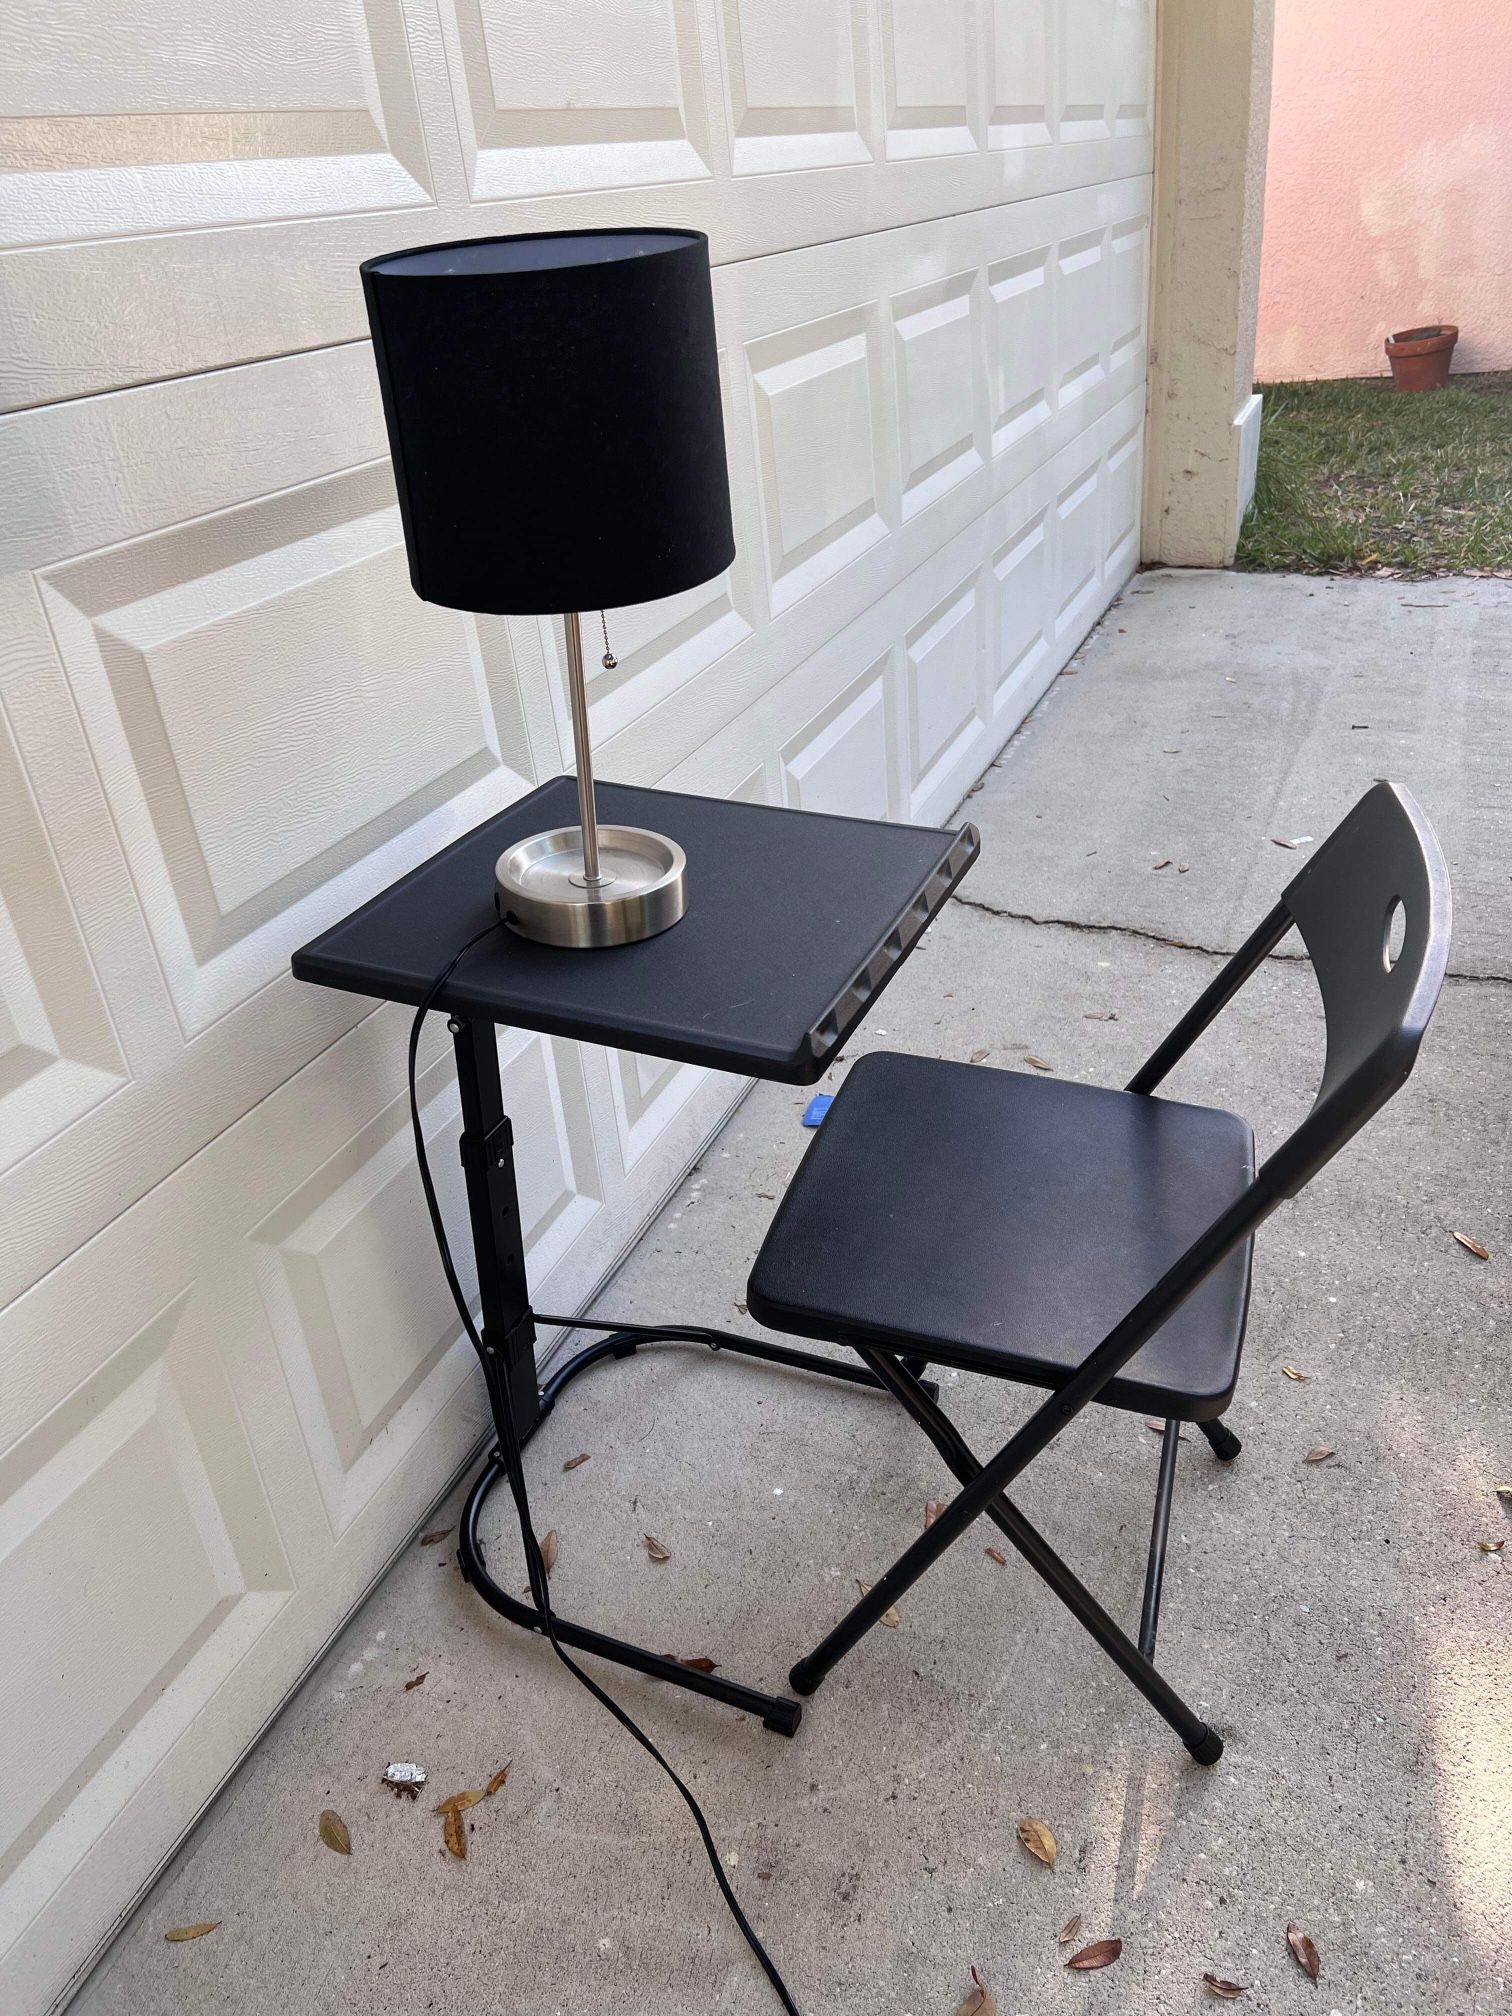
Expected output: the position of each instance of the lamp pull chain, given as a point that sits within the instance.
(608, 661)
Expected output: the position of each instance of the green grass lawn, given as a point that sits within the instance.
(1355, 478)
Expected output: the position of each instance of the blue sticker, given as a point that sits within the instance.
(817, 1107)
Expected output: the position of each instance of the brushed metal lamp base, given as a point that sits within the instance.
(588, 885)
(543, 890)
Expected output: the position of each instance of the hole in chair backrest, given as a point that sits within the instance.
(1393, 932)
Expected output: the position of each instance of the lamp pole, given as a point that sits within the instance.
(577, 694)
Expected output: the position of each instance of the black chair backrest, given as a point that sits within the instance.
(1377, 1001)
(1373, 908)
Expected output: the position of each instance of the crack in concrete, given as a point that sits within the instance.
(1176, 944)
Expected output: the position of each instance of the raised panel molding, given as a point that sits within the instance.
(795, 72)
(189, 115)
(558, 96)
(930, 49)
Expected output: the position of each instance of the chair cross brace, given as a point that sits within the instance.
(981, 1492)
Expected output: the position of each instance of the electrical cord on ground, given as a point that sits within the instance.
(510, 1440)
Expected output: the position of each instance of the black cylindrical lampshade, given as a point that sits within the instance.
(553, 410)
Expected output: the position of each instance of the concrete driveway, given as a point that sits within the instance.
(1338, 1621)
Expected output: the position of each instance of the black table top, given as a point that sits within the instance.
(795, 922)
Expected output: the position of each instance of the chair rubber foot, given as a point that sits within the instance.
(784, 1717)
(1209, 1747)
(1225, 1443)
(801, 1680)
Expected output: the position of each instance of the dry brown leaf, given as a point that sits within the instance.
(978, 1055)
(497, 1782)
(1039, 1063)
(1283, 843)
(182, 1932)
(767, 1196)
(1491, 1546)
(551, 1546)
(575, 1462)
(1183, 867)
(1101, 1953)
(1069, 1930)
(1226, 1991)
(890, 1615)
(1040, 1842)
(1100, 1015)
(1319, 1455)
(699, 1664)
(460, 1801)
(430, 1539)
(411, 1685)
(1291, 1372)
(333, 1831)
(1472, 1245)
(993, 1555)
(978, 2000)
(454, 1834)
(932, 1512)
(1162, 864)
(1303, 1951)
(655, 1548)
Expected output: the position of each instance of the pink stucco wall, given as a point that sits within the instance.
(1388, 197)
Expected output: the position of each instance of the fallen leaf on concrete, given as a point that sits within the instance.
(993, 1555)
(700, 1664)
(551, 1546)
(655, 1548)
(1303, 1951)
(1291, 1372)
(576, 1462)
(454, 1834)
(1319, 1455)
(430, 1539)
(1472, 1245)
(1069, 1930)
(411, 1685)
(1491, 1546)
(932, 1512)
(1227, 1991)
(1101, 1953)
(497, 1782)
(1157, 1427)
(977, 1056)
(333, 1831)
(1183, 867)
(1162, 864)
(767, 1196)
(1282, 843)
(459, 1802)
(1039, 1063)
(1040, 1842)
(890, 1615)
(978, 2000)
(1100, 1015)
(182, 1932)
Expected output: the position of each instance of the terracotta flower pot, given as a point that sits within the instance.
(1420, 357)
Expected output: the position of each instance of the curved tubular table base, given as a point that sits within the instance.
(776, 1711)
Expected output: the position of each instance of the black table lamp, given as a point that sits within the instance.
(553, 410)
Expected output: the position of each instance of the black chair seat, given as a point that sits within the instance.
(1004, 1223)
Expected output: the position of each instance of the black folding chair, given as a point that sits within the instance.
(997, 1221)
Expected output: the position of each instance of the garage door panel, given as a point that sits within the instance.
(973, 394)
(955, 653)
(216, 234)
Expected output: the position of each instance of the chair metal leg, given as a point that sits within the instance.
(1226, 1444)
(1205, 1745)
(1149, 1620)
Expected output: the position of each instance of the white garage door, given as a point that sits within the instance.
(229, 1382)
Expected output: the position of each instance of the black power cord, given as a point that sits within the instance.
(514, 1465)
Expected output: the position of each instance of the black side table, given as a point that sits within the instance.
(796, 922)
